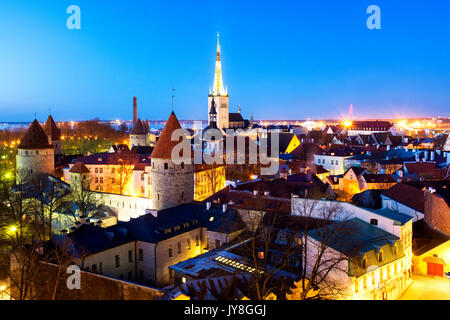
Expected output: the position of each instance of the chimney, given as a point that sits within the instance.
(224, 207)
(208, 205)
(134, 110)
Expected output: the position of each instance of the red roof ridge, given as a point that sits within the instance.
(164, 145)
(35, 138)
(51, 129)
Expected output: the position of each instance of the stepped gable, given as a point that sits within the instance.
(164, 145)
(139, 128)
(35, 138)
(79, 167)
(51, 129)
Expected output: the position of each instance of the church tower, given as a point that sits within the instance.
(35, 155)
(172, 184)
(220, 94)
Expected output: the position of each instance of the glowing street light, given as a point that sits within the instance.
(347, 123)
(13, 229)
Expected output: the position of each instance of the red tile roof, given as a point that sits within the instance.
(139, 127)
(35, 138)
(164, 145)
(50, 128)
(407, 195)
(79, 168)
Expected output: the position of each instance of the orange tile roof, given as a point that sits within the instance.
(164, 145)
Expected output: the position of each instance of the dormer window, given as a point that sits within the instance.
(374, 222)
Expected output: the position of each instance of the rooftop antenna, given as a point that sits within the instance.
(173, 96)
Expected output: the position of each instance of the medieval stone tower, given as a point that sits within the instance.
(54, 135)
(35, 155)
(139, 136)
(172, 184)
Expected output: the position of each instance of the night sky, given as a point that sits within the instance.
(281, 59)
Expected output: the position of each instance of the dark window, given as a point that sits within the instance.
(94, 268)
(101, 170)
(117, 261)
(121, 277)
(101, 268)
(130, 275)
(217, 243)
(374, 222)
(96, 170)
(141, 275)
(170, 274)
(141, 255)
(364, 263)
(179, 246)
(170, 251)
(130, 256)
(182, 165)
(188, 244)
(166, 166)
(380, 257)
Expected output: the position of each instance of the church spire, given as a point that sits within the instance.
(218, 89)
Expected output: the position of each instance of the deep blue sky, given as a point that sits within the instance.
(281, 59)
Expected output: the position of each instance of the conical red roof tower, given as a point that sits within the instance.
(35, 138)
(164, 146)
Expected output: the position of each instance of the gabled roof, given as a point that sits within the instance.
(378, 178)
(235, 117)
(79, 167)
(139, 128)
(35, 138)
(51, 129)
(426, 238)
(164, 145)
(407, 195)
(357, 170)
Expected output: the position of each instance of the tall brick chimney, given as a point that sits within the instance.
(134, 110)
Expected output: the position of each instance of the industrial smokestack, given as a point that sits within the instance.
(134, 110)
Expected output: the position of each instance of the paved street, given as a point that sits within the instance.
(428, 288)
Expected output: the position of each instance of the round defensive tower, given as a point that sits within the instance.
(172, 184)
(35, 155)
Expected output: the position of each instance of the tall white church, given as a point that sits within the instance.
(220, 94)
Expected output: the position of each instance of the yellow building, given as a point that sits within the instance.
(431, 250)
(208, 179)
